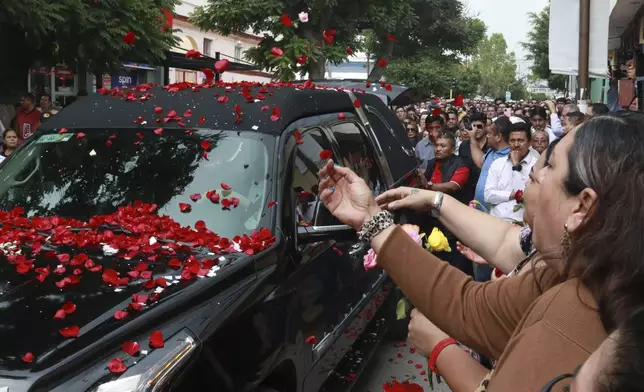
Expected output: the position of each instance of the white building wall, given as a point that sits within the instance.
(193, 38)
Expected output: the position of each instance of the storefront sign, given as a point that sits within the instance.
(125, 78)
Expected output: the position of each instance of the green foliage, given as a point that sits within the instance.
(417, 26)
(84, 34)
(519, 90)
(538, 47)
(496, 65)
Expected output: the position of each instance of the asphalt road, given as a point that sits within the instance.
(396, 361)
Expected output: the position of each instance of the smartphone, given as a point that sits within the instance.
(507, 112)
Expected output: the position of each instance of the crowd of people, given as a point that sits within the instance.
(540, 205)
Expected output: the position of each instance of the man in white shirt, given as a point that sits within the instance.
(509, 175)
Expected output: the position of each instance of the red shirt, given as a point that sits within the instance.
(27, 123)
(460, 176)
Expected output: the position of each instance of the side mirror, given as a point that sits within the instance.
(311, 234)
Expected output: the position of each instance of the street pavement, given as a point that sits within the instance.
(396, 361)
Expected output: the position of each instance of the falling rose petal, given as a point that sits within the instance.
(27, 358)
(129, 38)
(206, 145)
(357, 103)
(80, 135)
(222, 66)
(69, 307)
(195, 197)
(271, 204)
(60, 314)
(311, 340)
(349, 50)
(184, 207)
(382, 63)
(225, 186)
(338, 251)
(120, 314)
(159, 131)
(202, 119)
(156, 339)
(325, 155)
(193, 54)
(187, 113)
(70, 332)
(388, 87)
(286, 21)
(131, 347)
(158, 110)
(341, 116)
(108, 143)
(277, 52)
(302, 59)
(276, 114)
(391, 37)
(210, 75)
(116, 366)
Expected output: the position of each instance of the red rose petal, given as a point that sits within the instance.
(286, 21)
(225, 186)
(341, 116)
(175, 263)
(120, 314)
(146, 274)
(116, 366)
(108, 143)
(271, 203)
(184, 207)
(222, 99)
(159, 131)
(28, 358)
(133, 274)
(193, 54)
(276, 114)
(195, 197)
(70, 332)
(277, 52)
(60, 314)
(149, 284)
(63, 130)
(63, 257)
(391, 37)
(171, 114)
(156, 339)
(382, 63)
(206, 145)
(357, 103)
(187, 113)
(158, 110)
(130, 347)
(80, 135)
(311, 340)
(222, 66)
(69, 307)
(202, 119)
(129, 38)
(325, 155)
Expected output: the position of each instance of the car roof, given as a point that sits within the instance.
(135, 108)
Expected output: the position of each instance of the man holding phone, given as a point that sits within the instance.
(472, 150)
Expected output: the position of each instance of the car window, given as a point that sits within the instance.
(356, 153)
(305, 175)
(83, 174)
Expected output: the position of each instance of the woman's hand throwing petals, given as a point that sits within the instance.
(403, 197)
(346, 195)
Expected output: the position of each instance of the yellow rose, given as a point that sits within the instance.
(437, 242)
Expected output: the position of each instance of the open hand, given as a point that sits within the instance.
(346, 195)
(405, 197)
(423, 334)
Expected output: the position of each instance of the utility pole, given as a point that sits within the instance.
(584, 53)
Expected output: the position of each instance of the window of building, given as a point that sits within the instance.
(207, 45)
(238, 52)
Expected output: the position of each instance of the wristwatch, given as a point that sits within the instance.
(375, 225)
(438, 203)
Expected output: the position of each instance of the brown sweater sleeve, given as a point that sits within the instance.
(480, 315)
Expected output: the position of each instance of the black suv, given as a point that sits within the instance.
(171, 239)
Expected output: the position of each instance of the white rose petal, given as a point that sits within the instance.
(153, 241)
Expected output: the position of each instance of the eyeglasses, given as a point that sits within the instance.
(556, 380)
(479, 126)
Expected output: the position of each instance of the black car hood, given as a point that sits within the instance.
(28, 306)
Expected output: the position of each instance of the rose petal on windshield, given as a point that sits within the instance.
(195, 197)
(28, 358)
(120, 314)
(184, 207)
(70, 332)
(116, 366)
(69, 307)
(156, 339)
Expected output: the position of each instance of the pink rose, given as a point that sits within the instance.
(369, 260)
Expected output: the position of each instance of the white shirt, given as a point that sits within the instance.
(555, 124)
(502, 181)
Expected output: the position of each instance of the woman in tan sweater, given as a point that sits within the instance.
(588, 227)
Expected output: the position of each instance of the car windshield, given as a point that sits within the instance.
(84, 173)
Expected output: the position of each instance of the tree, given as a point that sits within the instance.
(518, 90)
(538, 48)
(496, 65)
(442, 28)
(85, 35)
(427, 75)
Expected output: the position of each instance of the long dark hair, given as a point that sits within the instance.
(607, 251)
(625, 368)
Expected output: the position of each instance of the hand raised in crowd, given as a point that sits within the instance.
(470, 254)
(551, 106)
(404, 197)
(423, 334)
(346, 195)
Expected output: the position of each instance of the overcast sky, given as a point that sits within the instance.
(509, 17)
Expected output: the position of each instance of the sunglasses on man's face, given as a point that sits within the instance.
(558, 379)
(479, 126)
